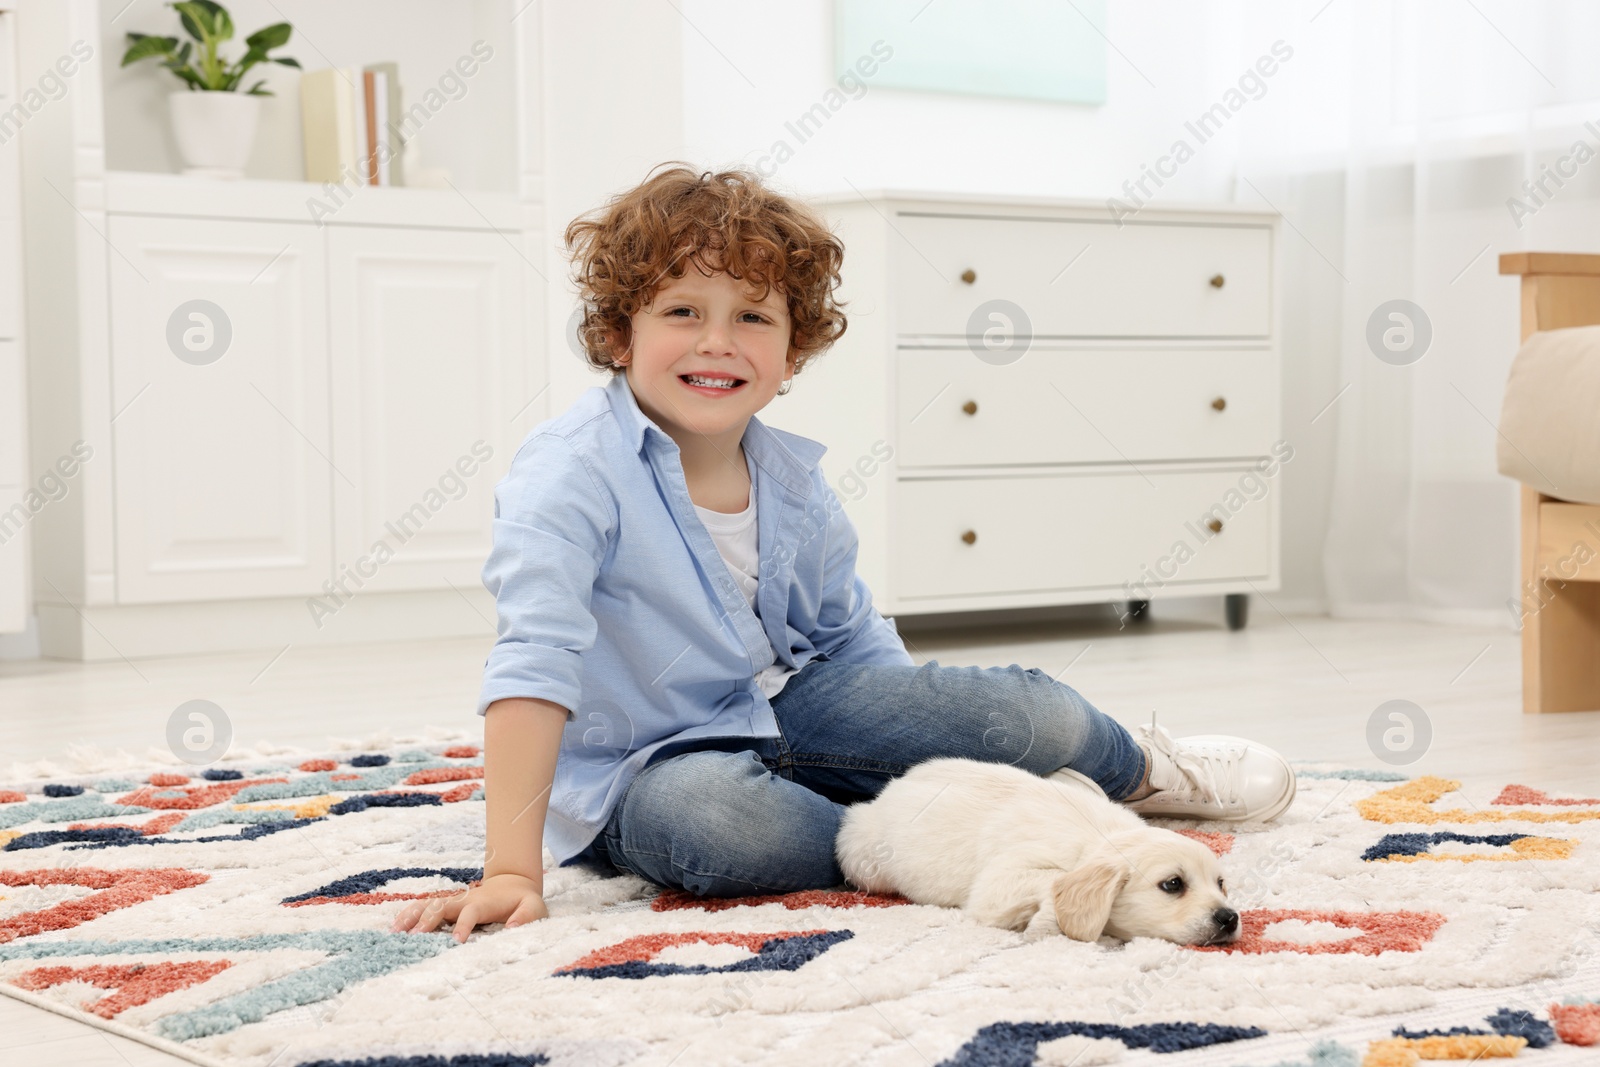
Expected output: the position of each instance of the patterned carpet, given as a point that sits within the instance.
(239, 915)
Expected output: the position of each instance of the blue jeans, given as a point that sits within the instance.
(740, 816)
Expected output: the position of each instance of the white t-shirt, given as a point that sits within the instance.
(736, 539)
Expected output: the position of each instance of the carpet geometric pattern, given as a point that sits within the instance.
(239, 915)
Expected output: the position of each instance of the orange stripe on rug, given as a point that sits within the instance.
(1577, 1024)
(119, 889)
(1381, 931)
(135, 983)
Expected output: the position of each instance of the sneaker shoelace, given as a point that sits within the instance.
(1209, 771)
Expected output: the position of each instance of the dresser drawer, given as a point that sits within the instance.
(1038, 533)
(1083, 406)
(1139, 280)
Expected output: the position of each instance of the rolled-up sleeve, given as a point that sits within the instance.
(552, 525)
(849, 629)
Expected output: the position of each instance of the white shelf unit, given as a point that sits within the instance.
(241, 501)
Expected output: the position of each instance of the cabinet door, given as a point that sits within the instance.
(428, 371)
(219, 409)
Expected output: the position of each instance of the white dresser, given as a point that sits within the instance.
(1033, 405)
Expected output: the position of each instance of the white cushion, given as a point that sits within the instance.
(1550, 421)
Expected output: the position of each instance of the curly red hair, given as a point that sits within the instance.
(723, 221)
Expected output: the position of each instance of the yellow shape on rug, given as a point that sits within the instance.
(1406, 1051)
(1413, 802)
(314, 808)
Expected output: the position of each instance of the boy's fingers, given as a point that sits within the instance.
(429, 919)
(467, 921)
(525, 912)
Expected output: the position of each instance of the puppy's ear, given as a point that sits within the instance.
(1083, 899)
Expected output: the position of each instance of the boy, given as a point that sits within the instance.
(680, 617)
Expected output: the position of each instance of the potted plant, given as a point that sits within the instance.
(213, 120)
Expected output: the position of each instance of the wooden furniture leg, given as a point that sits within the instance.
(1560, 595)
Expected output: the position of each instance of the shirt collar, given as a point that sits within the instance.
(788, 457)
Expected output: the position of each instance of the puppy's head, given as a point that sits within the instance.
(1147, 883)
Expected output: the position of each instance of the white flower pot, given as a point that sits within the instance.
(214, 130)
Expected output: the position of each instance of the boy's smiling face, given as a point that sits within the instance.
(708, 326)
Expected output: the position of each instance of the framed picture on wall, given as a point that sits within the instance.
(1036, 49)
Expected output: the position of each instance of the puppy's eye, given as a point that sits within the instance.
(1221, 886)
(1172, 885)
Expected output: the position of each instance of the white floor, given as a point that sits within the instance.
(1306, 685)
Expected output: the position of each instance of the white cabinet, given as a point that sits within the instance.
(220, 399)
(428, 367)
(328, 478)
(287, 397)
(1033, 405)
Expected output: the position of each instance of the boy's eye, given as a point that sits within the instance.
(752, 314)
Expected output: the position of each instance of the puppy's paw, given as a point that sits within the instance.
(1043, 925)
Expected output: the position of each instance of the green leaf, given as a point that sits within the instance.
(286, 61)
(147, 46)
(222, 20)
(192, 17)
(256, 90)
(205, 19)
(269, 37)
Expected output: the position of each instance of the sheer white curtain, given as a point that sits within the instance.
(1396, 143)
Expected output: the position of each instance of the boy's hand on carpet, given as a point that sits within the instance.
(508, 898)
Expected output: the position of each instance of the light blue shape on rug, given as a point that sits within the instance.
(1325, 1054)
(210, 817)
(67, 809)
(358, 956)
(1356, 774)
(318, 782)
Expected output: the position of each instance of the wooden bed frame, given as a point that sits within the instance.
(1560, 594)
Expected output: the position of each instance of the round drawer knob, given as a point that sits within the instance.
(1216, 281)
(970, 407)
(969, 275)
(970, 536)
(1215, 525)
(1219, 403)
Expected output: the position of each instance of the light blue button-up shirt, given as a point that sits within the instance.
(614, 603)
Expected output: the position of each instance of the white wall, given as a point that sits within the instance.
(715, 86)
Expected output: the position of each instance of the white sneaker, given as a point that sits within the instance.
(1213, 776)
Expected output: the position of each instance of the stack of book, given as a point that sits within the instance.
(351, 121)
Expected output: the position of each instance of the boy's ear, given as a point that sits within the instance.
(1084, 897)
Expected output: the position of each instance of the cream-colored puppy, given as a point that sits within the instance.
(1034, 854)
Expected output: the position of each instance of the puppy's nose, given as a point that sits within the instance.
(1227, 920)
